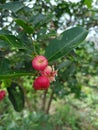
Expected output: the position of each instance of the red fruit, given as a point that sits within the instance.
(41, 83)
(46, 71)
(39, 63)
(2, 94)
(50, 73)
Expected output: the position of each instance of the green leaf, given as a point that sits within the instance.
(3, 45)
(4, 65)
(11, 74)
(67, 41)
(13, 41)
(6, 72)
(64, 64)
(16, 96)
(28, 28)
(3, 31)
(40, 19)
(13, 6)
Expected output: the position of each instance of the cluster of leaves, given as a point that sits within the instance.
(27, 34)
(28, 29)
(31, 31)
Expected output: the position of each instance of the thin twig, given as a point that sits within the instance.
(44, 100)
(49, 103)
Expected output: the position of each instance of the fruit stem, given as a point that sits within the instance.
(35, 52)
(33, 42)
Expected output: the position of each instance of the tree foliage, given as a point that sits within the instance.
(31, 28)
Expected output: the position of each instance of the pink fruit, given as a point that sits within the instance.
(2, 94)
(47, 71)
(50, 73)
(39, 62)
(41, 83)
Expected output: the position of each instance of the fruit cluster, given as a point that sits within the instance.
(46, 72)
(2, 94)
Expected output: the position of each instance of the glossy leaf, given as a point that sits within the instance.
(13, 6)
(16, 96)
(6, 71)
(64, 64)
(3, 45)
(24, 25)
(4, 66)
(11, 74)
(67, 41)
(37, 19)
(40, 19)
(12, 41)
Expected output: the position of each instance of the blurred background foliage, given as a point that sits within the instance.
(71, 101)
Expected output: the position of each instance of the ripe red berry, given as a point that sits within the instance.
(39, 62)
(47, 71)
(50, 73)
(41, 83)
(2, 94)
